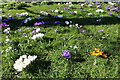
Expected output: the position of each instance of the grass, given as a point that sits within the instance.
(50, 63)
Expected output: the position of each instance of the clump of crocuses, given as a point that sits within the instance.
(66, 54)
(4, 24)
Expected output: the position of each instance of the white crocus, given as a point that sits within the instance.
(23, 61)
(111, 3)
(118, 16)
(58, 3)
(67, 22)
(70, 25)
(99, 10)
(56, 11)
(38, 29)
(60, 16)
(7, 40)
(76, 24)
(24, 14)
(37, 35)
(71, 6)
(75, 12)
(94, 63)
(40, 35)
(27, 19)
(90, 14)
(102, 16)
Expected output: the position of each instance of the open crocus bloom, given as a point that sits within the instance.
(60, 16)
(96, 52)
(66, 54)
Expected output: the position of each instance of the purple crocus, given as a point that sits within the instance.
(56, 22)
(66, 54)
(80, 26)
(8, 13)
(80, 7)
(117, 10)
(10, 18)
(7, 32)
(39, 23)
(100, 30)
(99, 6)
(34, 32)
(97, 3)
(24, 33)
(19, 29)
(110, 13)
(55, 30)
(84, 9)
(107, 8)
(65, 8)
(55, 16)
(115, 5)
(64, 39)
(5, 20)
(72, 12)
(4, 24)
(82, 31)
(112, 9)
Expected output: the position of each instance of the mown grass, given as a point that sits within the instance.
(50, 63)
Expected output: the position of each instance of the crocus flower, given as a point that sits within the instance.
(65, 8)
(82, 31)
(97, 52)
(55, 16)
(39, 23)
(64, 39)
(90, 14)
(115, 5)
(56, 22)
(107, 8)
(56, 11)
(80, 26)
(90, 5)
(99, 6)
(8, 13)
(34, 32)
(4, 25)
(55, 30)
(100, 30)
(37, 35)
(72, 12)
(38, 29)
(102, 16)
(80, 7)
(19, 29)
(60, 16)
(97, 3)
(66, 54)
(110, 13)
(5, 20)
(99, 10)
(67, 22)
(7, 32)
(112, 9)
(24, 33)
(117, 10)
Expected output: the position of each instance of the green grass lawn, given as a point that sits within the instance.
(59, 37)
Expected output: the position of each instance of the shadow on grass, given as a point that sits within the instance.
(39, 66)
(77, 58)
(50, 21)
